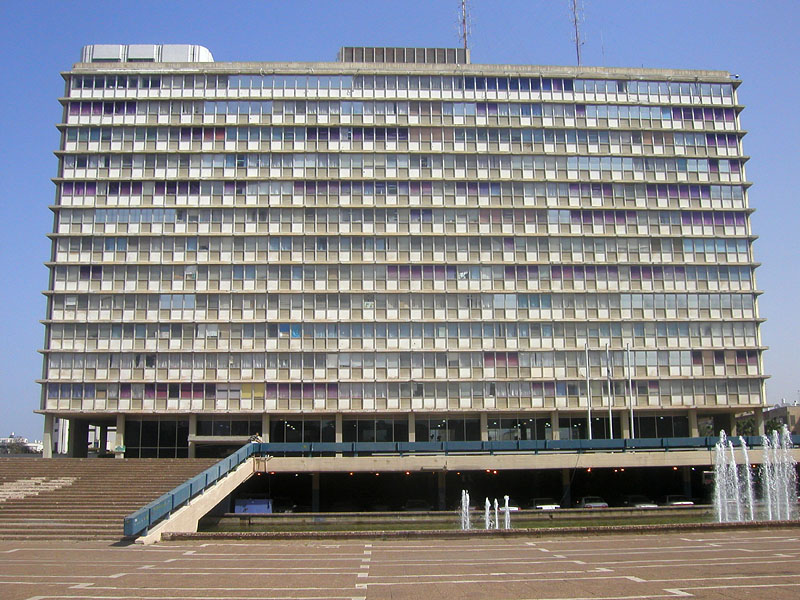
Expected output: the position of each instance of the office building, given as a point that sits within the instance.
(400, 245)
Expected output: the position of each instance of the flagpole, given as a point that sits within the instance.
(588, 392)
(630, 389)
(610, 395)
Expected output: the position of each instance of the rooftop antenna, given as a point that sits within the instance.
(464, 24)
(577, 17)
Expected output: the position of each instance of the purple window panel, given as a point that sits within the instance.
(580, 110)
(510, 273)
(708, 114)
(416, 273)
(405, 272)
(686, 218)
(124, 390)
(555, 272)
(149, 390)
(636, 273)
(729, 115)
(333, 390)
(708, 218)
(711, 140)
(713, 165)
(86, 108)
(97, 108)
(283, 390)
(739, 217)
(735, 166)
(427, 272)
(296, 389)
(74, 108)
(451, 272)
(272, 390)
(439, 273)
(610, 217)
(728, 218)
(67, 188)
(676, 113)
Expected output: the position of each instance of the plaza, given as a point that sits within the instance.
(735, 564)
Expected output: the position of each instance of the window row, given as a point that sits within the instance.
(169, 275)
(418, 300)
(678, 90)
(279, 133)
(243, 247)
(311, 160)
(661, 333)
(454, 390)
(516, 192)
(320, 217)
(429, 109)
(407, 360)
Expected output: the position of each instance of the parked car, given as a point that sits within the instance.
(677, 500)
(592, 502)
(638, 501)
(545, 504)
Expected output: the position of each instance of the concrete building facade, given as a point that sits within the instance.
(398, 246)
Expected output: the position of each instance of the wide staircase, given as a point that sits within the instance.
(82, 499)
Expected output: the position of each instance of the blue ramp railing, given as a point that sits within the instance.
(141, 520)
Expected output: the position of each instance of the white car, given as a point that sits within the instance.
(592, 502)
(545, 504)
(638, 501)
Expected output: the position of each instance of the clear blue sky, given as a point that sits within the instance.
(756, 39)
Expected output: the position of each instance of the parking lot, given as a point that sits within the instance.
(713, 565)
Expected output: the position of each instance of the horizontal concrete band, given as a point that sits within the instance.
(482, 462)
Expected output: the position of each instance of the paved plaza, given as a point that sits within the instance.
(713, 565)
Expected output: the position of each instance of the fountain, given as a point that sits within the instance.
(465, 522)
(734, 488)
(487, 514)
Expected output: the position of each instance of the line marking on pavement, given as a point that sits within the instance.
(677, 592)
(10, 551)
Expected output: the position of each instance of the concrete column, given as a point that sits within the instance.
(103, 443)
(625, 425)
(338, 426)
(338, 430)
(315, 492)
(566, 488)
(192, 433)
(412, 427)
(78, 438)
(47, 437)
(758, 414)
(265, 427)
(441, 488)
(687, 481)
(693, 430)
(484, 427)
(119, 442)
(554, 425)
(734, 428)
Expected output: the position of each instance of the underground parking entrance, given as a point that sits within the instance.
(272, 500)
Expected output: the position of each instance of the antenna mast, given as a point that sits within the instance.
(464, 24)
(576, 18)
